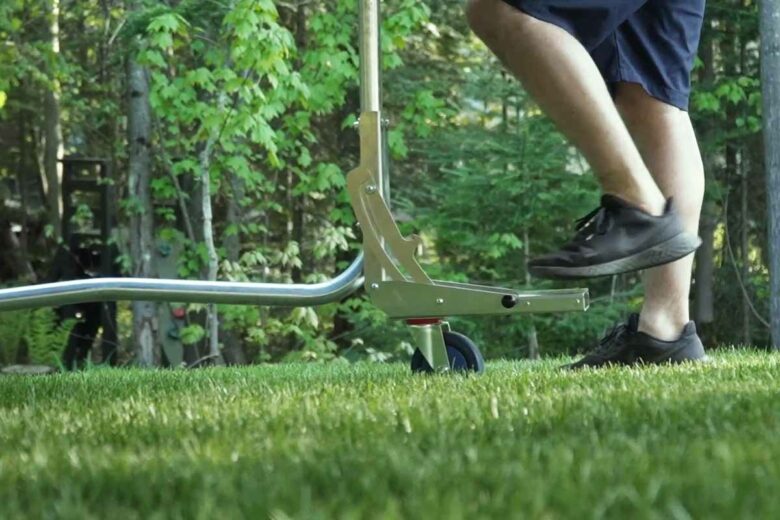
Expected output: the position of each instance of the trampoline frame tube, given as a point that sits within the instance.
(190, 291)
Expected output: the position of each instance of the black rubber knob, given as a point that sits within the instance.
(509, 301)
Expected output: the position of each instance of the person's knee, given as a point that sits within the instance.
(635, 104)
(689, 202)
(689, 192)
(689, 195)
(650, 121)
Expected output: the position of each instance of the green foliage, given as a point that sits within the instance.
(192, 334)
(45, 336)
(726, 109)
(35, 336)
(260, 81)
(263, 95)
(374, 441)
(11, 336)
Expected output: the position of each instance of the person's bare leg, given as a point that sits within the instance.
(562, 78)
(667, 142)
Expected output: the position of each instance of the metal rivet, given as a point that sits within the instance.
(375, 286)
(527, 304)
(440, 301)
(370, 189)
(578, 302)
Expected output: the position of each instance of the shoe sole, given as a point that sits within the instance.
(675, 248)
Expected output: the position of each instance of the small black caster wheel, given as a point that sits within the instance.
(463, 354)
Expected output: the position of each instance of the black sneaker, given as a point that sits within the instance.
(615, 238)
(625, 345)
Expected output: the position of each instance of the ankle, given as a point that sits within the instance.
(665, 327)
(654, 207)
(651, 203)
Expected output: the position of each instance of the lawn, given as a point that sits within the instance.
(524, 440)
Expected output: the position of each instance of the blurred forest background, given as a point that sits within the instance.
(223, 131)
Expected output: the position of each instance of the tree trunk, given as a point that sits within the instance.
(744, 217)
(533, 339)
(704, 309)
(208, 236)
(53, 148)
(299, 213)
(139, 127)
(36, 155)
(744, 249)
(770, 81)
(212, 319)
(22, 179)
(704, 274)
(730, 247)
(234, 350)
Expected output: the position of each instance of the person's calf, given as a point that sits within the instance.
(667, 142)
(666, 139)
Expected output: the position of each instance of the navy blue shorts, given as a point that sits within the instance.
(649, 42)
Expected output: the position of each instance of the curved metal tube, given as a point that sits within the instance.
(190, 291)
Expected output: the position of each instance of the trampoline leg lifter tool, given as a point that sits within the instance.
(394, 279)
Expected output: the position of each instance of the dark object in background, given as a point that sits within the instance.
(78, 261)
(86, 252)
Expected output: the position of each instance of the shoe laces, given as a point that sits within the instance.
(599, 220)
(610, 344)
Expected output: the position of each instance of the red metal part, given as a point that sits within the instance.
(423, 321)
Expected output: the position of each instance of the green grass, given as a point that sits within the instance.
(524, 440)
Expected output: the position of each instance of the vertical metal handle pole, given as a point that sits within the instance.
(371, 87)
(370, 84)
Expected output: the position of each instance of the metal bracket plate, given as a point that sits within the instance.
(441, 299)
(429, 339)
